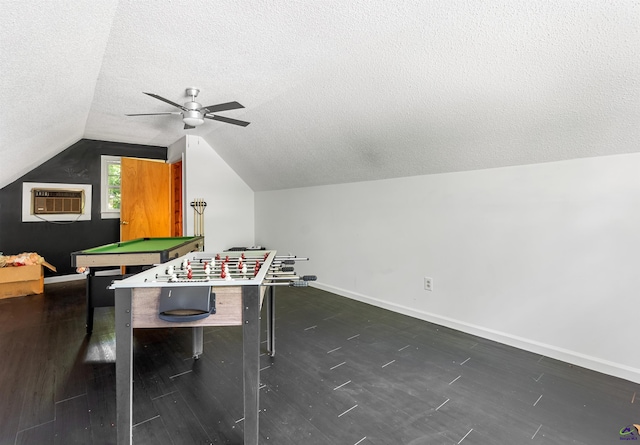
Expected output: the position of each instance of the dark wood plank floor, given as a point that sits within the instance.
(344, 373)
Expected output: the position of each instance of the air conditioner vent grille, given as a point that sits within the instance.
(57, 201)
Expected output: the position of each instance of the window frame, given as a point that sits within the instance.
(105, 211)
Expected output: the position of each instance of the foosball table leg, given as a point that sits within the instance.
(198, 335)
(251, 362)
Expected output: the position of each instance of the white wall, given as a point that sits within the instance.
(229, 215)
(176, 151)
(544, 257)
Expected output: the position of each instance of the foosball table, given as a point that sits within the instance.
(197, 290)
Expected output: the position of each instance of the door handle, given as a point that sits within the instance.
(124, 223)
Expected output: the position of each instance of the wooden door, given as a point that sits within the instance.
(176, 199)
(146, 205)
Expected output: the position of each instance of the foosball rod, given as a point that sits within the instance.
(199, 273)
(293, 277)
(219, 265)
(297, 281)
(280, 277)
(236, 260)
(293, 283)
(289, 284)
(291, 257)
(217, 269)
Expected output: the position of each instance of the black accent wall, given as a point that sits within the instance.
(78, 164)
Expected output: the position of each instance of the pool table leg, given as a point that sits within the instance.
(89, 304)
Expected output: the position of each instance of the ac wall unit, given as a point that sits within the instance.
(57, 201)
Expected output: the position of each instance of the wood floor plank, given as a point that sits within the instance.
(72, 425)
(181, 424)
(282, 423)
(70, 367)
(101, 400)
(156, 359)
(16, 353)
(144, 392)
(38, 405)
(215, 402)
(41, 434)
(314, 400)
(151, 432)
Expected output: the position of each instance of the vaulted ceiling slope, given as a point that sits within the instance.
(336, 91)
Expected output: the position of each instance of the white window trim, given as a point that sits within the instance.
(105, 212)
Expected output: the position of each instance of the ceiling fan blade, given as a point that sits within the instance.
(153, 114)
(188, 127)
(227, 120)
(166, 101)
(222, 107)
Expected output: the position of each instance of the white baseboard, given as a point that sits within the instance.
(575, 358)
(65, 278)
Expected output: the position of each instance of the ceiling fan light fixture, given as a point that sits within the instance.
(193, 118)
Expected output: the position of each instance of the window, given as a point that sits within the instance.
(110, 187)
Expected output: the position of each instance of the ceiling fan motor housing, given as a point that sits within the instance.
(192, 105)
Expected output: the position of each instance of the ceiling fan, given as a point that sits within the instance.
(193, 114)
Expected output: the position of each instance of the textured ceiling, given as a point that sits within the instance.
(336, 91)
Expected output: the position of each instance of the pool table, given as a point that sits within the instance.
(133, 255)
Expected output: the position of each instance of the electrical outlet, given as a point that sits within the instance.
(428, 283)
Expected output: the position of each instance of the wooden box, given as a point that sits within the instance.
(17, 281)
